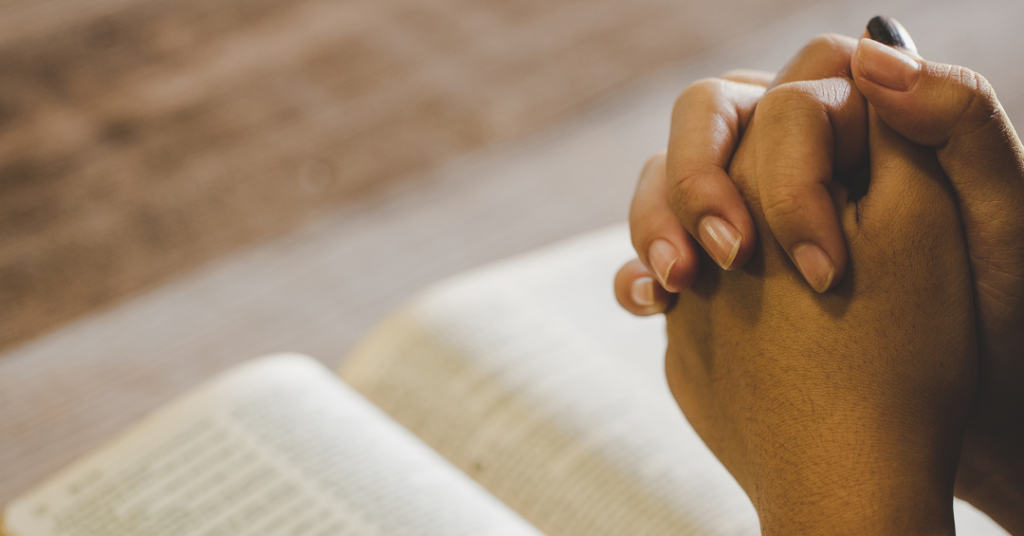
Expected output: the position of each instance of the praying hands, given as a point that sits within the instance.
(861, 356)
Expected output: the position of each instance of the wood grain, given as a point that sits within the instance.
(142, 138)
(318, 290)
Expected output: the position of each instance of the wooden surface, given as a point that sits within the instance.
(319, 289)
(142, 138)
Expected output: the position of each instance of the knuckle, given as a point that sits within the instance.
(976, 99)
(829, 43)
(970, 82)
(804, 89)
(681, 188)
(822, 42)
(782, 204)
(783, 94)
(790, 101)
(775, 96)
(814, 97)
(983, 103)
(692, 191)
(702, 90)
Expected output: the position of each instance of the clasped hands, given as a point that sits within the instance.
(839, 250)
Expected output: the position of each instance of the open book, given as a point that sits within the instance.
(514, 400)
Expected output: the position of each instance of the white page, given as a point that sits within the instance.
(530, 377)
(276, 447)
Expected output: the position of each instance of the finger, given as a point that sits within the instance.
(951, 109)
(747, 76)
(955, 111)
(707, 123)
(660, 241)
(809, 126)
(824, 56)
(828, 56)
(638, 292)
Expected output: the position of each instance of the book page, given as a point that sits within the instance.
(276, 447)
(530, 378)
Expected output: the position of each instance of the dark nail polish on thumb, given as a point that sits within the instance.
(890, 32)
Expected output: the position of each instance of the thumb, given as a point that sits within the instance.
(955, 111)
(951, 109)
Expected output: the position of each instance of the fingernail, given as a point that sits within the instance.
(643, 291)
(889, 31)
(663, 256)
(815, 265)
(887, 66)
(720, 239)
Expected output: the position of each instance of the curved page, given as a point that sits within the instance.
(530, 378)
(276, 447)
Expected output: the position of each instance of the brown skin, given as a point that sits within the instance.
(838, 413)
(954, 110)
(692, 184)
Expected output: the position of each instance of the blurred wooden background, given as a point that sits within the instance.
(402, 141)
(142, 138)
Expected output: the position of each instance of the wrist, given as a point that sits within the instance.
(910, 519)
(884, 499)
